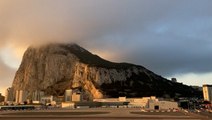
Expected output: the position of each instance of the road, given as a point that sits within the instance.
(97, 114)
(205, 114)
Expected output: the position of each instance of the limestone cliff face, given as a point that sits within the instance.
(53, 68)
(45, 67)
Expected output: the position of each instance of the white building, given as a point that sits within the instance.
(9, 95)
(162, 105)
(107, 100)
(21, 96)
(68, 95)
(141, 102)
(76, 97)
(68, 105)
(37, 95)
(46, 100)
(207, 92)
(133, 102)
(151, 103)
(73, 95)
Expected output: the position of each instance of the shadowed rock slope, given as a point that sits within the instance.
(53, 68)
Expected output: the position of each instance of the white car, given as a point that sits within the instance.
(198, 111)
(142, 110)
(186, 111)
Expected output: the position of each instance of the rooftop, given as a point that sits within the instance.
(206, 85)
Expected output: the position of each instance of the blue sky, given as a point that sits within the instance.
(170, 37)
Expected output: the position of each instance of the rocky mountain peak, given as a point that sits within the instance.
(53, 68)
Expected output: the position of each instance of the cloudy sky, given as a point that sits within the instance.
(172, 38)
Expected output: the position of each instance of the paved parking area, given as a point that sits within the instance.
(97, 114)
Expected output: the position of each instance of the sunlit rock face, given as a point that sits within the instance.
(46, 68)
(53, 68)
